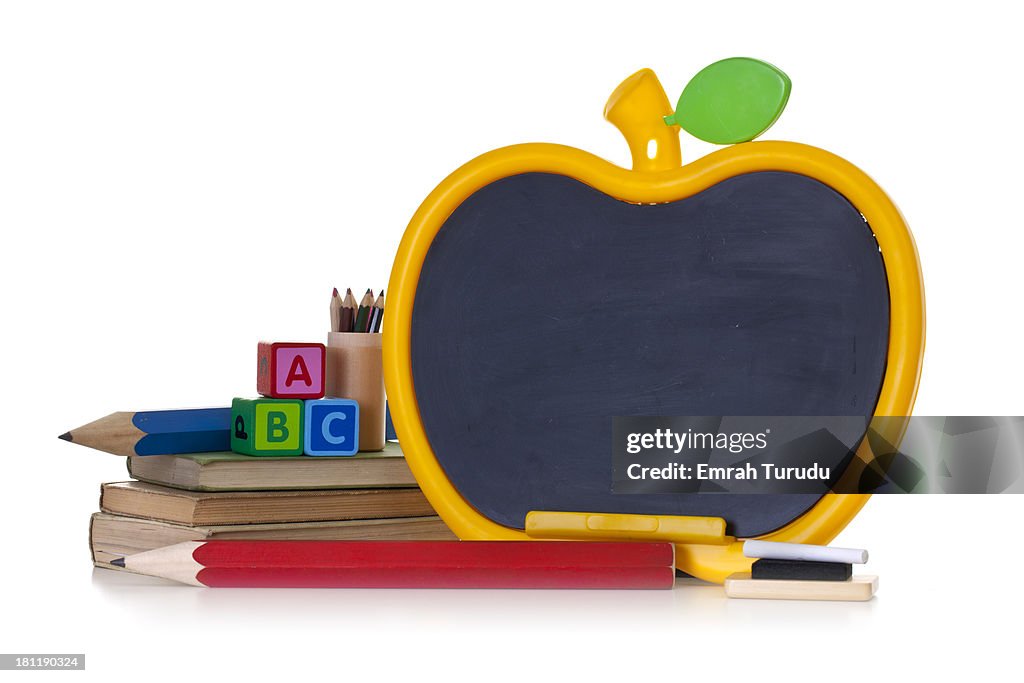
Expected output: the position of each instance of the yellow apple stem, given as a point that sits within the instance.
(637, 108)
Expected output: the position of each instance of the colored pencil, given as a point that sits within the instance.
(348, 311)
(410, 564)
(363, 315)
(336, 311)
(377, 313)
(157, 432)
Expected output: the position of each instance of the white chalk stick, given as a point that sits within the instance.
(769, 550)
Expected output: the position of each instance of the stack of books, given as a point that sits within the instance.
(225, 495)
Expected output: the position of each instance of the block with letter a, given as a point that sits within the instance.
(290, 370)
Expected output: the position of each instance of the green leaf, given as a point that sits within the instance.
(733, 100)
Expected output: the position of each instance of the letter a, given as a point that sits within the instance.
(298, 370)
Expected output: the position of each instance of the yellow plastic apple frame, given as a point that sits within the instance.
(636, 108)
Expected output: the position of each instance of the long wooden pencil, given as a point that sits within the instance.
(157, 432)
(410, 564)
(348, 311)
(363, 315)
(336, 311)
(377, 313)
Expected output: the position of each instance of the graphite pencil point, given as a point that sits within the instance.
(157, 432)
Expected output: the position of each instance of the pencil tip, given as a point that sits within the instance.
(66, 436)
(369, 291)
(119, 562)
(335, 291)
(382, 292)
(348, 290)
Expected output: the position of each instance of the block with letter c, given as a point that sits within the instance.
(332, 427)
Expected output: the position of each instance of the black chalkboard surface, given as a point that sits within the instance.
(544, 308)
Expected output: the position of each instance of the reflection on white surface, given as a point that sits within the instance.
(692, 602)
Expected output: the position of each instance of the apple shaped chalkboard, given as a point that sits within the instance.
(541, 291)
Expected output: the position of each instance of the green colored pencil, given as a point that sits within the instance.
(363, 316)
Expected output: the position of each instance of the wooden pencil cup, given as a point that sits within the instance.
(355, 370)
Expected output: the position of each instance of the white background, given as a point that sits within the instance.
(180, 179)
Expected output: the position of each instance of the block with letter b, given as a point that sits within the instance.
(290, 370)
(267, 426)
(332, 427)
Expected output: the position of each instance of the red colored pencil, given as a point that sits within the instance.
(410, 564)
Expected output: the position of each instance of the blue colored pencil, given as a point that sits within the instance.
(157, 432)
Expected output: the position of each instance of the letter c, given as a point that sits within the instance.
(325, 428)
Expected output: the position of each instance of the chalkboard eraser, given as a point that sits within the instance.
(857, 589)
(801, 570)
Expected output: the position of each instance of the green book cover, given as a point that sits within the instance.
(228, 471)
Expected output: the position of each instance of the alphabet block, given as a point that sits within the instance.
(267, 426)
(290, 370)
(332, 427)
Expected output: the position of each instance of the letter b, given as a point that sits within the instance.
(277, 430)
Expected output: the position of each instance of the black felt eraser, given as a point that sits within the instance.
(801, 570)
